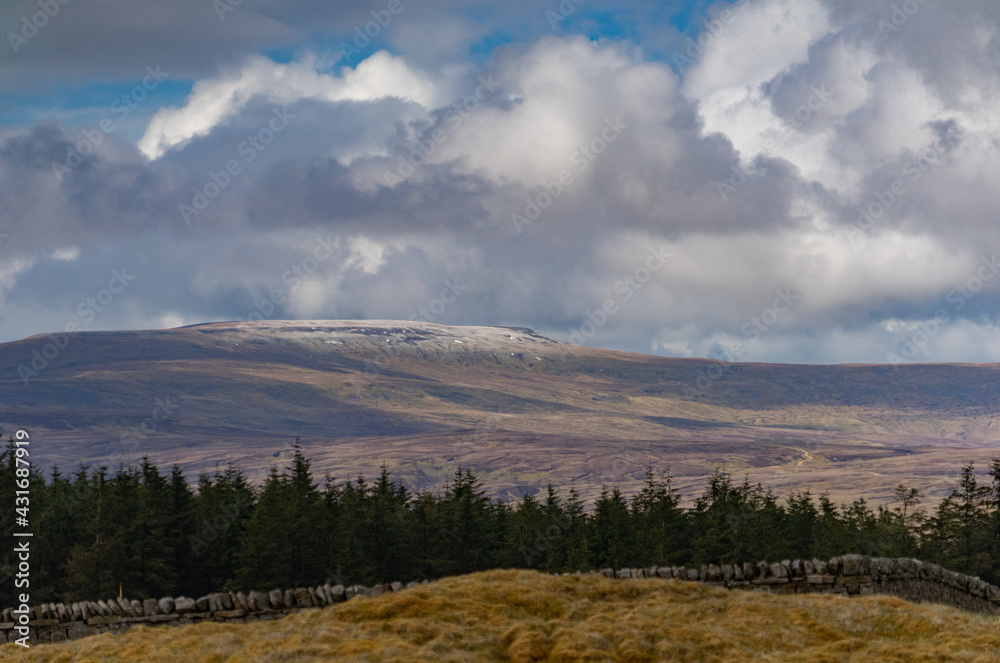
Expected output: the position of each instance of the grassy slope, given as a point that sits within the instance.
(522, 616)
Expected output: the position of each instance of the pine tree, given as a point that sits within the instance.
(470, 525)
(222, 511)
(576, 555)
(961, 527)
(611, 536)
(152, 570)
(303, 522)
(179, 526)
(87, 573)
(802, 518)
(528, 541)
(662, 534)
(263, 559)
(386, 529)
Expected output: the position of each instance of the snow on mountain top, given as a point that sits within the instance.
(350, 332)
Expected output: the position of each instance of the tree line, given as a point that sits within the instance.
(151, 534)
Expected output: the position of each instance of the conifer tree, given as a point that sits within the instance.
(661, 528)
(179, 527)
(961, 527)
(611, 538)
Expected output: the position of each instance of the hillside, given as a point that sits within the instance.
(517, 408)
(522, 616)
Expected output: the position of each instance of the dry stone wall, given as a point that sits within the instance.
(852, 575)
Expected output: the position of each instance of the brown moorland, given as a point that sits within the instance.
(517, 408)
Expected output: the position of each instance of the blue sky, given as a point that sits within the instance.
(821, 172)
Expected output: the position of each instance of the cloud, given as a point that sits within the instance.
(216, 100)
(805, 149)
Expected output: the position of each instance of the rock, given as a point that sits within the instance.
(64, 615)
(608, 573)
(184, 605)
(713, 573)
(763, 569)
(96, 610)
(665, 572)
(851, 565)
(624, 573)
(114, 608)
(235, 602)
(80, 631)
(749, 571)
(203, 604)
(808, 567)
(833, 566)
(313, 597)
(302, 598)
(231, 614)
(778, 571)
(737, 573)
(226, 600)
(394, 586)
(798, 569)
(337, 592)
(277, 599)
(821, 567)
(77, 612)
(820, 580)
(692, 575)
(241, 598)
(137, 608)
(126, 607)
(150, 607)
(159, 619)
(289, 598)
(727, 572)
(166, 605)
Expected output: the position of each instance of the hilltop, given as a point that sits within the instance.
(519, 409)
(523, 616)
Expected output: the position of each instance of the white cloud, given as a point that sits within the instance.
(213, 101)
(564, 92)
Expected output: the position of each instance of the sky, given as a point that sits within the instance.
(806, 181)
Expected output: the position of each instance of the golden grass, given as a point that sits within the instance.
(522, 616)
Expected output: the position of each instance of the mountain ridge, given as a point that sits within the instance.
(516, 407)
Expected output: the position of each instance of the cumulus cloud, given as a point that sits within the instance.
(213, 101)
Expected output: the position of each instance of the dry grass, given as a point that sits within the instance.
(522, 616)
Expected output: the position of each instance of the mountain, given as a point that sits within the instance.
(519, 409)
